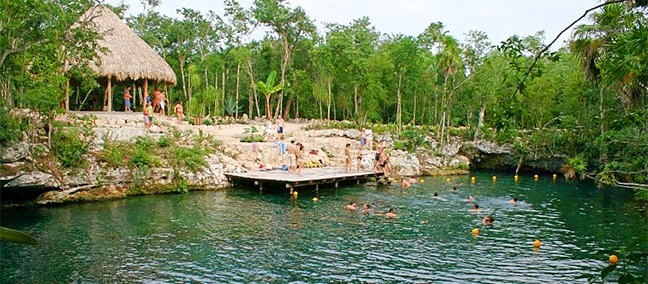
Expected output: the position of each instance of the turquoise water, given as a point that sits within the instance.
(242, 236)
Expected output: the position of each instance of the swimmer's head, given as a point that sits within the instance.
(436, 194)
(475, 206)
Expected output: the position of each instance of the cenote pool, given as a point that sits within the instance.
(242, 236)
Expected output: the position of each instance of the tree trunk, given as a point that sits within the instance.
(253, 91)
(109, 93)
(181, 61)
(236, 103)
(355, 101)
(414, 116)
(268, 114)
(286, 113)
(206, 78)
(284, 67)
(329, 100)
(223, 90)
(399, 113)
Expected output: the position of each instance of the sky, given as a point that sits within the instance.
(498, 18)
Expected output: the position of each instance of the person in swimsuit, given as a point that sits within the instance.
(347, 160)
(179, 111)
(359, 159)
(127, 99)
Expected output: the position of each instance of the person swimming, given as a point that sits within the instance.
(436, 196)
(471, 198)
(475, 208)
(366, 208)
(488, 220)
(457, 185)
(353, 206)
(406, 184)
(513, 201)
(391, 214)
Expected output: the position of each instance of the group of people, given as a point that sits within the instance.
(366, 209)
(366, 138)
(270, 129)
(154, 103)
(295, 152)
(381, 160)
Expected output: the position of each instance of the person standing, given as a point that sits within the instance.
(292, 157)
(156, 98)
(268, 131)
(163, 103)
(280, 126)
(149, 110)
(369, 135)
(127, 99)
(179, 111)
(363, 138)
(347, 160)
(145, 111)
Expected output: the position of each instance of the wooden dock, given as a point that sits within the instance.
(310, 177)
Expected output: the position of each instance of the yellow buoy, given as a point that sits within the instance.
(535, 177)
(494, 178)
(475, 231)
(614, 259)
(422, 180)
(295, 194)
(472, 180)
(554, 177)
(315, 199)
(516, 177)
(448, 180)
(537, 243)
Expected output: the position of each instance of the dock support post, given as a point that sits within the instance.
(336, 184)
(317, 189)
(260, 187)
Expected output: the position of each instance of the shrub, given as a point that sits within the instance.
(164, 142)
(142, 159)
(144, 142)
(193, 158)
(69, 148)
(115, 154)
(10, 130)
(249, 138)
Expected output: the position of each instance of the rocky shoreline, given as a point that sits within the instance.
(28, 172)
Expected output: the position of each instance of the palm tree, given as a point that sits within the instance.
(268, 88)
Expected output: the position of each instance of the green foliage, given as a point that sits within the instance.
(69, 147)
(249, 138)
(412, 138)
(116, 154)
(164, 142)
(231, 107)
(10, 130)
(193, 158)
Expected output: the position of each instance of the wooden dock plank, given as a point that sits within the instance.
(314, 176)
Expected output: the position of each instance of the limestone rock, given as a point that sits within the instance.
(407, 164)
(351, 133)
(34, 179)
(15, 152)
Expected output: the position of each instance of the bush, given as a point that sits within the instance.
(69, 148)
(144, 142)
(164, 142)
(142, 159)
(115, 154)
(10, 130)
(192, 158)
(249, 138)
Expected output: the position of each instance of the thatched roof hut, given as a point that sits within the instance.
(127, 56)
(124, 55)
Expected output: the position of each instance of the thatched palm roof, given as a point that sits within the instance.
(125, 55)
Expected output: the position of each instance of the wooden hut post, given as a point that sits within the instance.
(109, 91)
(134, 95)
(145, 94)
